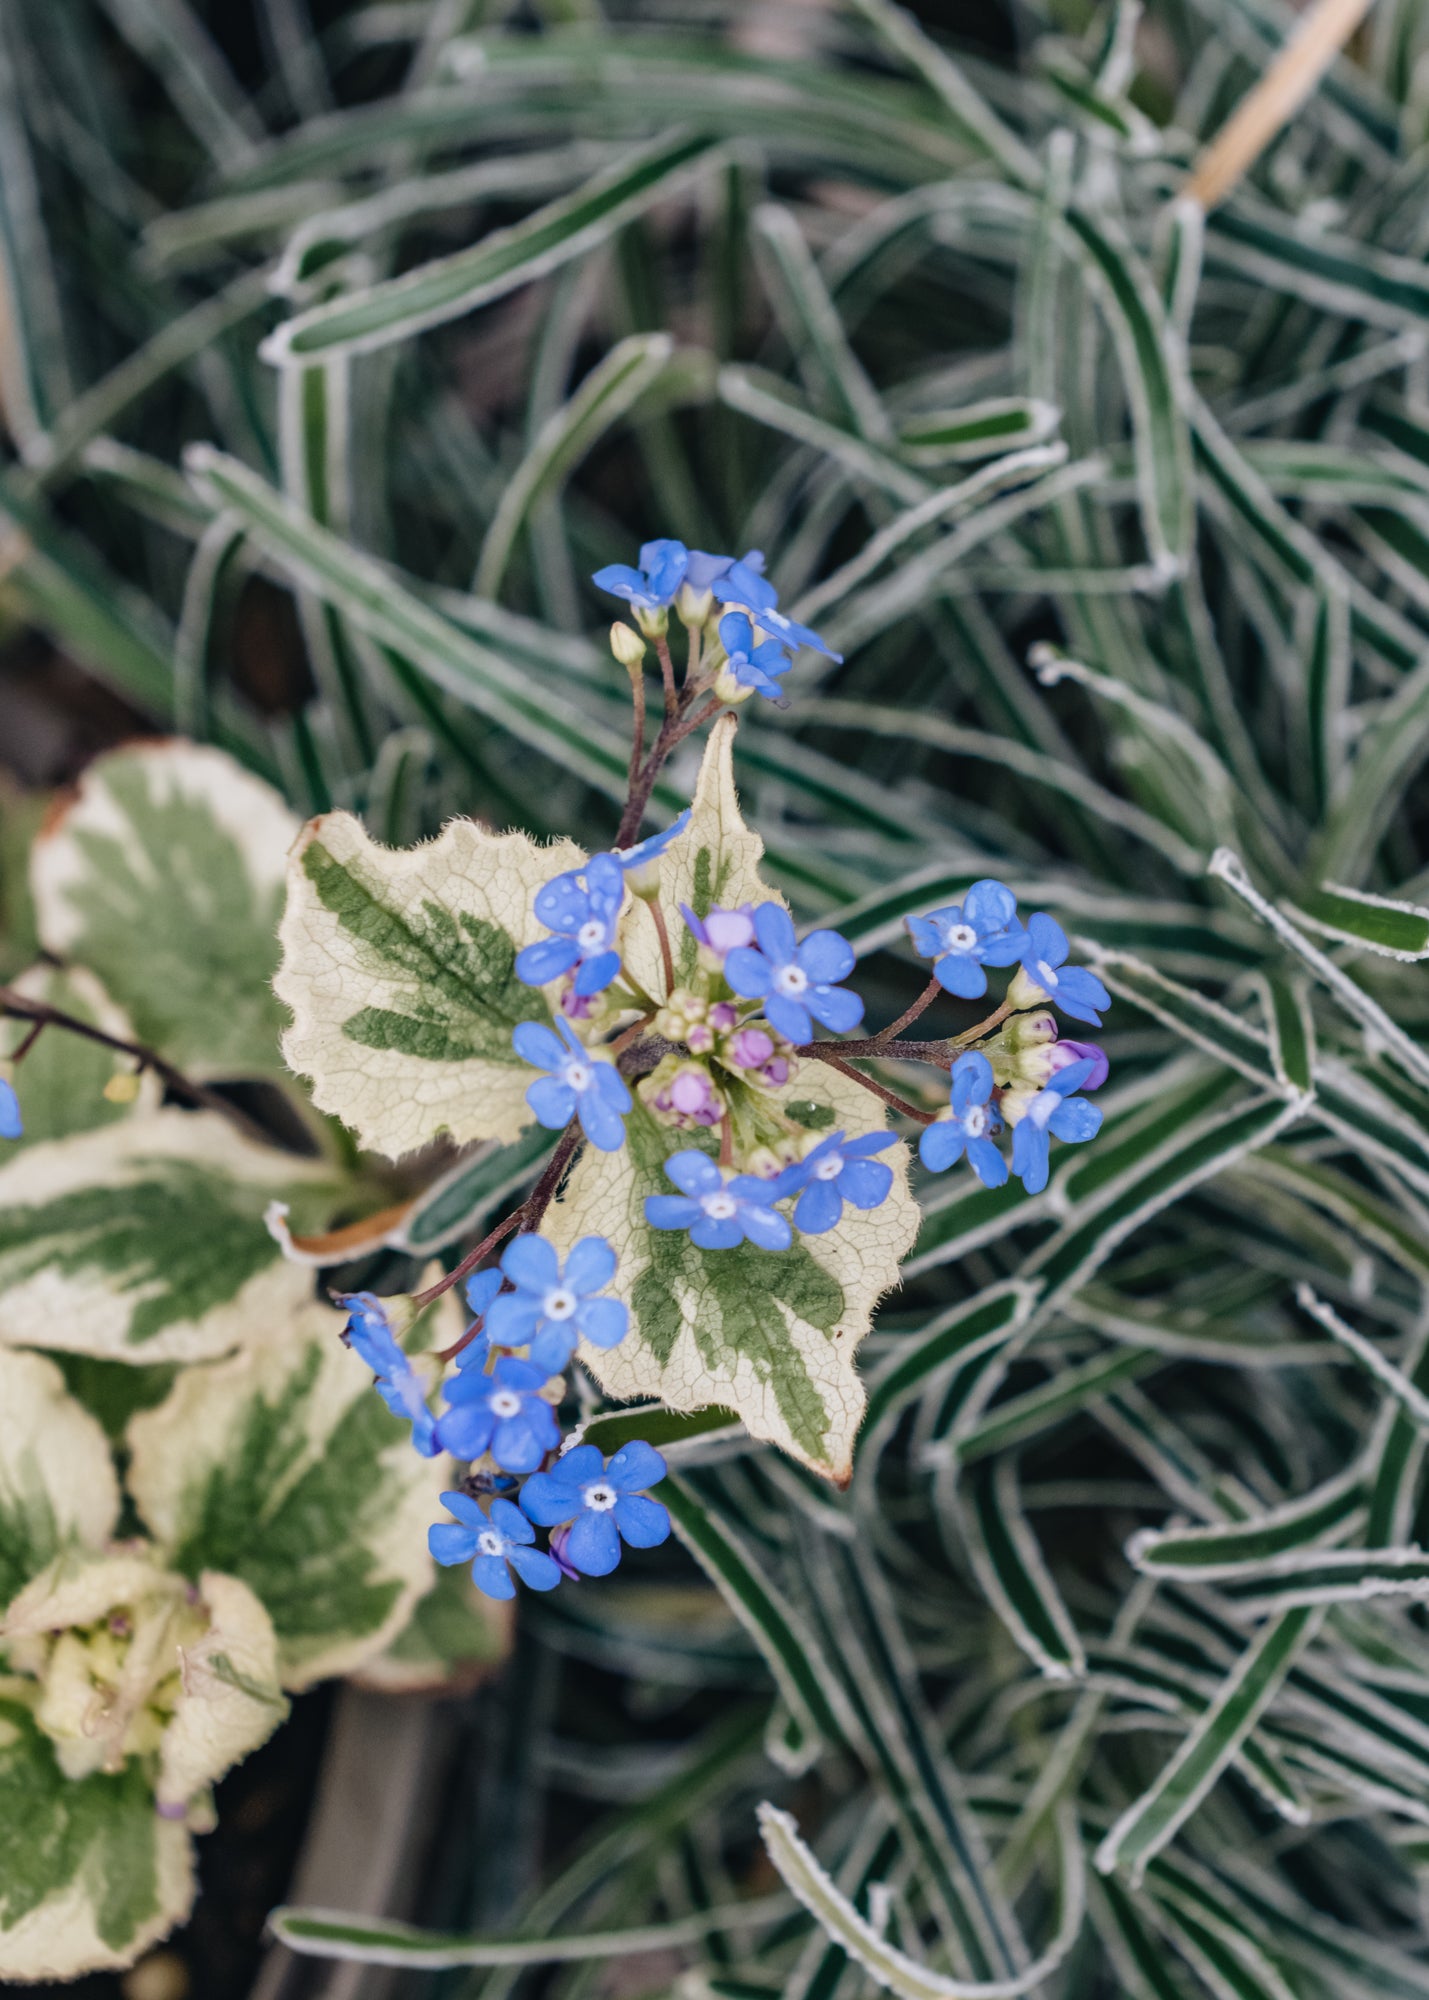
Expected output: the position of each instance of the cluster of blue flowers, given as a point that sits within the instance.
(501, 1420)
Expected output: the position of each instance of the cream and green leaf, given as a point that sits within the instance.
(144, 1241)
(165, 877)
(281, 1467)
(399, 970)
(769, 1334)
(58, 1490)
(61, 1082)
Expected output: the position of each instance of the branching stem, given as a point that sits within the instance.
(826, 1052)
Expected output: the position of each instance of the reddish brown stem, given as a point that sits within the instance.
(667, 958)
(637, 747)
(667, 675)
(19, 1007)
(824, 1052)
(910, 1014)
(29, 1041)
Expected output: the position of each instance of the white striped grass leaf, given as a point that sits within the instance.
(169, 36)
(1352, 1720)
(1291, 1024)
(891, 1968)
(366, 1941)
(1364, 1012)
(1399, 1445)
(1389, 755)
(1145, 1122)
(871, 1866)
(1032, 766)
(1203, 1022)
(1361, 1780)
(378, 603)
(34, 367)
(1312, 470)
(1193, 1335)
(686, 1439)
(1153, 1820)
(1302, 1578)
(1379, 924)
(164, 876)
(1332, 1511)
(961, 1334)
(396, 785)
(232, 1469)
(1335, 274)
(974, 117)
(143, 1241)
(404, 1023)
(1231, 1964)
(155, 490)
(461, 1198)
(1137, 1953)
(1152, 370)
(1011, 1568)
(1410, 1398)
(923, 578)
(770, 401)
(214, 563)
(179, 238)
(811, 322)
(945, 504)
(329, 224)
(977, 430)
(448, 287)
(961, 1215)
(1065, 1394)
(62, 1080)
(1376, 1115)
(608, 394)
(1183, 1471)
(809, 1690)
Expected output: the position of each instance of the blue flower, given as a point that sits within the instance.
(963, 938)
(718, 1212)
(752, 666)
(1071, 987)
(795, 980)
(551, 1309)
(631, 858)
(481, 1288)
(502, 1538)
(836, 1171)
(743, 584)
(1056, 1112)
(579, 1082)
(968, 1126)
(583, 908)
(652, 587)
(369, 1334)
(12, 1125)
(503, 1413)
(604, 1504)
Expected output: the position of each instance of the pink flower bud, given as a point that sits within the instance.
(723, 1016)
(750, 1048)
(777, 1072)
(700, 1039)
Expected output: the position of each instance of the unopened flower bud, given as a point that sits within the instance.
(700, 1039)
(627, 646)
(693, 607)
(750, 1048)
(724, 1015)
(730, 691)
(653, 622)
(1025, 992)
(777, 1072)
(764, 1163)
(683, 1094)
(1064, 1054)
(1030, 1030)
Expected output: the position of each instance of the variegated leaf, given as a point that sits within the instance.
(165, 877)
(58, 1488)
(398, 967)
(144, 1241)
(282, 1467)
(62, 1080)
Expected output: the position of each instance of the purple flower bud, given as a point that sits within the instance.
(777, 1072)
(723, 1016)
(722, 930)
(577, 1006)
(557, 1546)
(700, 1039)
(751, 1048)
(1063, 1054)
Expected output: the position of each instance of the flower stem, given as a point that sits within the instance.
(910, 1014)
(825, 1053)
(667, 674)
(666, 955)
(637, 747)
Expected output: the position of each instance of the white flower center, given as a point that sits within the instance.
(791, 980)
(560, 1303)
(600, 1498)
(489, 1543)
(1045, 975)
(591, 935)
(579, 1075)
(505, 1403)
(829, 1169)
(961, 937)
(719, 1207)
(975, 1120)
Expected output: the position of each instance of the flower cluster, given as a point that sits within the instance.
(501, 1420)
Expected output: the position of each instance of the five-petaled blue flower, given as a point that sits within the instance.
(551, 1309)
(836, 1171)
(968, 1126)
(753, 666)
(1053, 1110)
(583, 908)
(1071, 987)
(718, 1212)
(503, 1413)
(795, 980)
(605, 1504)
(579, 1084)
(745, 585)
(370, 1335)
(964, 937)
(12, 1125)
(653, 586)
(494, 1540)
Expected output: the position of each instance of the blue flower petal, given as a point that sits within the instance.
(940, 1145)
(552, 1102)
(450, 1543)
(671, 1211)
(958, 972)
(535, 1568)
(590, 1265)
(789, 1018)
(635, 1467)
(818, 1207)
(531, 1262)
(836, 1007)
(549, 1501)
(593, 1545)
(987, 1163)
(492, 1578)
(774, 928)
(865, 1183)
(604, 1322)
(537, 1045)
(826, 957)
(644, 1524)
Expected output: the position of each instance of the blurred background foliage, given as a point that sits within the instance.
(1123, 526)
